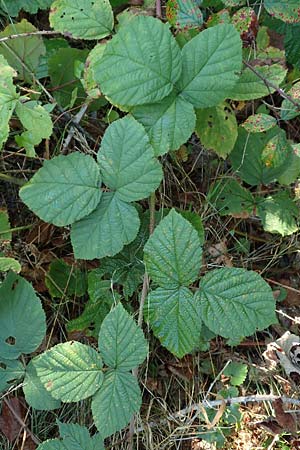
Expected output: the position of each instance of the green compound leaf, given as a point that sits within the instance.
(250, 86)
(84, 19)
(12, 8)
(173, 252)
(116, 401)
(211, 62)
(258, 123)
(62, 279)
(229, 197)
(184, 14)
(278, 214)
(217, 128)
(8, 98)
(234, 303)
(285, 10)
(76, 437)
(237, 373)
(113, 224)
(35, 393)
(134, 69)
(7, 264)
(121, 342)
(292, 172)
(37, 122)
(173, 315)
(169, 123)
(126, 160)
(71, 371)
(10, 371)
(64, 190)
(23, 54)
(261, 157)
(19, 306)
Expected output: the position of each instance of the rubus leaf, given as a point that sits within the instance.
(250, 86)
(113, 224)
(70, 371)
(90, 85)
(229, 197)
(233, 3)
(10, 370)
(8, 98)
(35, 393)
(132, 71)
(12, 8)
(64, 190)
(217, 128)
(184, 14)
(169, 123)
(19, 306)
(293, 170)
(121, 341)
(37, 122)
(278, 214)
(22, 53)
(261, 157)
(51, 444)
(234, 303)
(62, 279)
(84, 19)
(173, 252)
(258, 123)
(76, 437)
(116, 401)
(61, 67)
(5, 233)
(173, 315)
(237, 373)
(126, 160)
(7, 264)
(285, 10)
(292, 44)
(211, 62)
(288, 109)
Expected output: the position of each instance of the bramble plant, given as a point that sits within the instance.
(164, 82)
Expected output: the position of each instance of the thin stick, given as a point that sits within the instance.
(11, 179)
(77, 120)
(31, 33)
(268, 83)
(158, 9)
(20, 421)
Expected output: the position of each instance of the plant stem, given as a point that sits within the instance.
(268, 83)
(11, 179)
(31, 33)
(12, 230)
(144, 293)
(158, 9)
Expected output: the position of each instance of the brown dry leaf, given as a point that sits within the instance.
(286, 420)
(219, 251)
(9, 426)
(286, 351)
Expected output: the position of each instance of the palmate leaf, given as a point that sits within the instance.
(116, 401)
(74, 437)
(134, 69)
(10, 371)
(70, 372)
(64, 190)
(8, 98)
(211, 62)
(169, 123)
(235, 303)
(173, 315)
(173, 252)
(127, 162)
(121, 342)
(113, 224)
(19, 306)
(84, 19)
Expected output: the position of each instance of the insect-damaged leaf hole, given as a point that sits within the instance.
(10, 340)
